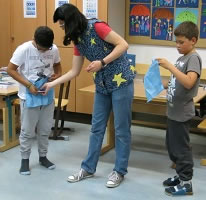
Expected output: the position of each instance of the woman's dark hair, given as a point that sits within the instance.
(44, 36)
(75, 22)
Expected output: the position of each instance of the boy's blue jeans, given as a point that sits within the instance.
(120, 102)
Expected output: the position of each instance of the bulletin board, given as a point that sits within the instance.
(153, 22)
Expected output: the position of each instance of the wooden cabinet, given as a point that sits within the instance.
(22, 29)
(5, 39)
(58, 32)
(102, 9)
(15, 29)
(66, 52)
(84, 102)
(66, 62)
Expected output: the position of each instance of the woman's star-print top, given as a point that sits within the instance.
(116, 74)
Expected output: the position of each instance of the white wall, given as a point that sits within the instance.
(116, 16)
(145, 53)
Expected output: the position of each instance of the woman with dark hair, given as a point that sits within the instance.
(113, 77)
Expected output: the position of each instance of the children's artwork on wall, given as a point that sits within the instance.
(154, 21)
(163, 3)
(162, 23)
(140, 1)
(203, 22)
(187, 3)
(186, 14)
(140, 19)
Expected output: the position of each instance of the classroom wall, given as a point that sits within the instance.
(145, 53)
(116, 16)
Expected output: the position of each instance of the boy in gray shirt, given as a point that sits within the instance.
(181, 88)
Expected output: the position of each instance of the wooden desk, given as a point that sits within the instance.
(156, 106)
(9, 131)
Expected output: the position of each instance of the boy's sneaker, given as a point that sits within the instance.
(24, 170)
(46, 163)
(180, 189)
(82, 174)
(114, 179)
(172, 181)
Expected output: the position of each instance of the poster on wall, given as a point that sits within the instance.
(162, 23)
(30, 9)
(90, 8)
(186, 14)
(154, 21)
(203, 22)
(59, 3)
(187, 3)
(139, 19)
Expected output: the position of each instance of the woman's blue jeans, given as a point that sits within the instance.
(120, 102)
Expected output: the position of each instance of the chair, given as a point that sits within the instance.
(60, 111)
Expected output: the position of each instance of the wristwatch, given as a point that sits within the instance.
(103, 63)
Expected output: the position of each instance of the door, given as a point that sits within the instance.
(22, 29)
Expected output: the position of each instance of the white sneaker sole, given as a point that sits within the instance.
(70, 180)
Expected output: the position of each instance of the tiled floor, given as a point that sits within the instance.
(148, 167)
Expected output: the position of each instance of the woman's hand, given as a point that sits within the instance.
(46, 87)
(94, 66)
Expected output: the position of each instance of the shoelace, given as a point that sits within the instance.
(80, 174)
(113, 176)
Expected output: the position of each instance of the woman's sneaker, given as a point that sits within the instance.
(171, 181)
(24, 169)
(184, 188)
(114, 179)
(82, 174)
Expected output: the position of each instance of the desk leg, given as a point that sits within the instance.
(203, 162)
(9, 137)
(5, 127)
(110, 135)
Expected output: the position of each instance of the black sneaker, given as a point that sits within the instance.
(24, 170)
(179, 190)
(171, 181)
(46, 163)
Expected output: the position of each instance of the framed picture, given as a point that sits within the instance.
(153, 21)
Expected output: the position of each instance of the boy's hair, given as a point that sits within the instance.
(187, 29)
(44, 36)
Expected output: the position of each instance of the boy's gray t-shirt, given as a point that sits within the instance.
(180, 105)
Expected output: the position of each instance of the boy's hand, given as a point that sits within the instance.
(33, 90)
(164, 63)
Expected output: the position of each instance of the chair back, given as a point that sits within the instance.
(61, 92)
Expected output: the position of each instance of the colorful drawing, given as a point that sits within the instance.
(163, 3)
(186, 14)
(187, 3)
(140, 1)
(203, 22)
(162, 23)
(140, 19)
